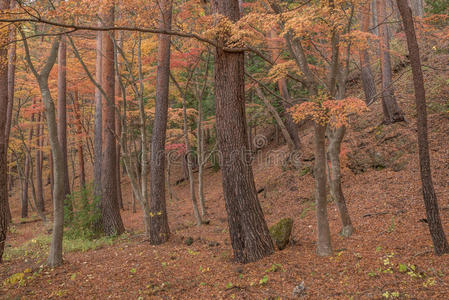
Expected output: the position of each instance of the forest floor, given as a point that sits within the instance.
(390, 255)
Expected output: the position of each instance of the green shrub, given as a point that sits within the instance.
(85, 216)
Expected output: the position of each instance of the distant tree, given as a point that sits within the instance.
(440, 243)
(392, 112)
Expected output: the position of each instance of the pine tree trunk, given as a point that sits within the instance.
(392, 112)
(324, 247)
(159, 229)
(440, 243)
(248, 230)
(110, 210)
(118, 125)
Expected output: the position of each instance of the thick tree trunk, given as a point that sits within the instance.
(368, 83)
(392, 112)
(4, 208)
(62, 114)
(159, 229)
(248, 230)
(430, 200)
(324, 247)
(39, 157)
(110, 210)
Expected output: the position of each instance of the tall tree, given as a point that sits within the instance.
(369, 86)
(159, 229)
(392, 112)
(39, 158)
(98, 119)
(430, 200)
(4, 208)
(250, 238)
(110, 210)
(55, 255)
(62, 113)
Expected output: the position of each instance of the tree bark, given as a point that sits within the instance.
(79, 132)
(39, 156)
(368, 83)
(392, 112)
(440, 243)
(248, 230)
(324, 247)
(62, 114)
(26, 172)
(110, 210)
(98, 124)
(118, 125)
(159, 229)
(4, 208)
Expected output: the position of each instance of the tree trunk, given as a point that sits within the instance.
(4, 208)
(11, 87)
(159, 229)
(39, 156)
(110, 210)
(430, 200)
(324, 247)
(79, 132)
(291, 126)
(98, 124)
(248, 230)
(62, 115)
(118, 125)
(392, 112)
(27, 170)
(336, 136)
(368, 83)
(189, 154)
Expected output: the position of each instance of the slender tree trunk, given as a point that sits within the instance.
(62, 114)
(11, 86)
(369, 86)
(98, 124)
(118, 127)
(55, 255)
(79, 132)
(392, 112)
(27, 170)
(39, 191)
(201, 160)
(324, 247)
(430, 200)
(336, 136)
(159, 229)
(4, 208)
(196, 212)
(248, 230)
(290, 125)
(110, 210)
